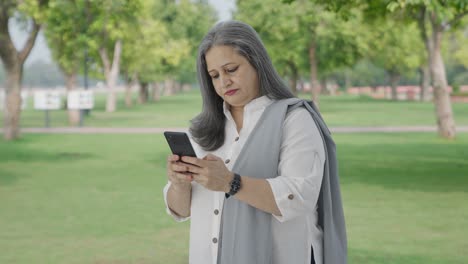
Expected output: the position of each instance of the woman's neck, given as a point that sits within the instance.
(237, 113)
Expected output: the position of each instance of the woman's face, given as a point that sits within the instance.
(234, 79)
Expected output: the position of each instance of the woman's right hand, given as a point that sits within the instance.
(177, 172)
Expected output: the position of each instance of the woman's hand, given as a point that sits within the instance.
(210, 172)
(177, 172)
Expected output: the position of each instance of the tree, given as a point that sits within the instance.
(192, 21)
(65, 33)
(32, 12)
(109, 23)
(434, 18)
(187, 22)
(304, 30)
(279, 28)
(396, 48)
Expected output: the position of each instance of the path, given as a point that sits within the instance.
(148, 130)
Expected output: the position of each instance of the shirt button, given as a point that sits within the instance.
(291, 196)
(227, 161)
(215, 240)
(216, 211)
(237, 139)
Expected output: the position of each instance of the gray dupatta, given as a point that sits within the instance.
(245, 235)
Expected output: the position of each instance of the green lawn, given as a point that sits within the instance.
(98, 199)
(176, 111)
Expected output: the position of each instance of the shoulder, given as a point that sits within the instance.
(300, 125)
(299, 114)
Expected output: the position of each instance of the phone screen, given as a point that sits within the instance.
(179, 143)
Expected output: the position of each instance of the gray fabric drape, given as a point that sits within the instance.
(245, 235)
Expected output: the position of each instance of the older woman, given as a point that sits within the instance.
(253, 195)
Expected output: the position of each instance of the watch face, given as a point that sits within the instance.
(235, 184)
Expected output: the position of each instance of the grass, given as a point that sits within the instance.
(176, 111)
(98, 199)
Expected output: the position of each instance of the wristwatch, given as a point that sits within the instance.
(235, 185)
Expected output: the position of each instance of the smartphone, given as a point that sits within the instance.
(179, 143)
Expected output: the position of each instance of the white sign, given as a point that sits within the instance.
(47, 100)
(24, 100)
(81, 99)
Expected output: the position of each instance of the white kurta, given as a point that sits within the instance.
(296, 189)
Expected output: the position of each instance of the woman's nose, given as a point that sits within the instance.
(225, 80)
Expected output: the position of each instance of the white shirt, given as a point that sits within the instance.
(296, 189)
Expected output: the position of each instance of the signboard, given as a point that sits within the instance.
(47, 100)
(80, 99)
(24, 100)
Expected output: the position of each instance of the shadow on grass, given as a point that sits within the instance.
(377, 257)
(7, 177)
(10, 153)
(412, 166)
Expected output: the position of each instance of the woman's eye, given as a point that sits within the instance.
(232, 70)
(214, 76)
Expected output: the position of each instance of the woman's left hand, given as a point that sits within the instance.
(210, 172)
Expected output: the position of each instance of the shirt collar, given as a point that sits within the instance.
(256, 104)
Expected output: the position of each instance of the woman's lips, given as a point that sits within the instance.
(231, 92)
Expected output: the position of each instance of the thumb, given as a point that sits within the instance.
(211, 157)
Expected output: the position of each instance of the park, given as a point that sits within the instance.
(83, 182)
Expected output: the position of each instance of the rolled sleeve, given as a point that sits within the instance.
(175, 216)
(297, 187)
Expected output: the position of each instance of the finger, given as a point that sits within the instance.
(180, 177)
(199, 179)
(179, 167)
(193, 161)
(172, 158)
(193, 169)
(211, 157)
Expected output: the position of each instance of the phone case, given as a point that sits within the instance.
(179, 143)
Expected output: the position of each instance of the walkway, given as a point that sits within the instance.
(148, 130)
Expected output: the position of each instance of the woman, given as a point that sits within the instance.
(252, 197)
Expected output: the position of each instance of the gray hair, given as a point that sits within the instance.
(207, 128)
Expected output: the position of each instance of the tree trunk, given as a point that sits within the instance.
(425, 71)
(13, 61)
(111, 72)
(143, 93)
(73, 114)
(169, 86)
(12, 110)
(347, 75)
(128, 90)
(177, 87)
(128, 95)
(424, 82)
(314, 83)
(156, 92)
(394, 80)
(323, 86)
(293, 78)
(443, 105)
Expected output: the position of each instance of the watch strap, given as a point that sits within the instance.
(235, 185)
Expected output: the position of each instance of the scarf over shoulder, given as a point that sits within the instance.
(245, 234)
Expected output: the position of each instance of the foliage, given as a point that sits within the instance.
(288, 30)
(396, 47)
(66, 33)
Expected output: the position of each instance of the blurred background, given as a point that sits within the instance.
(88, 86)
